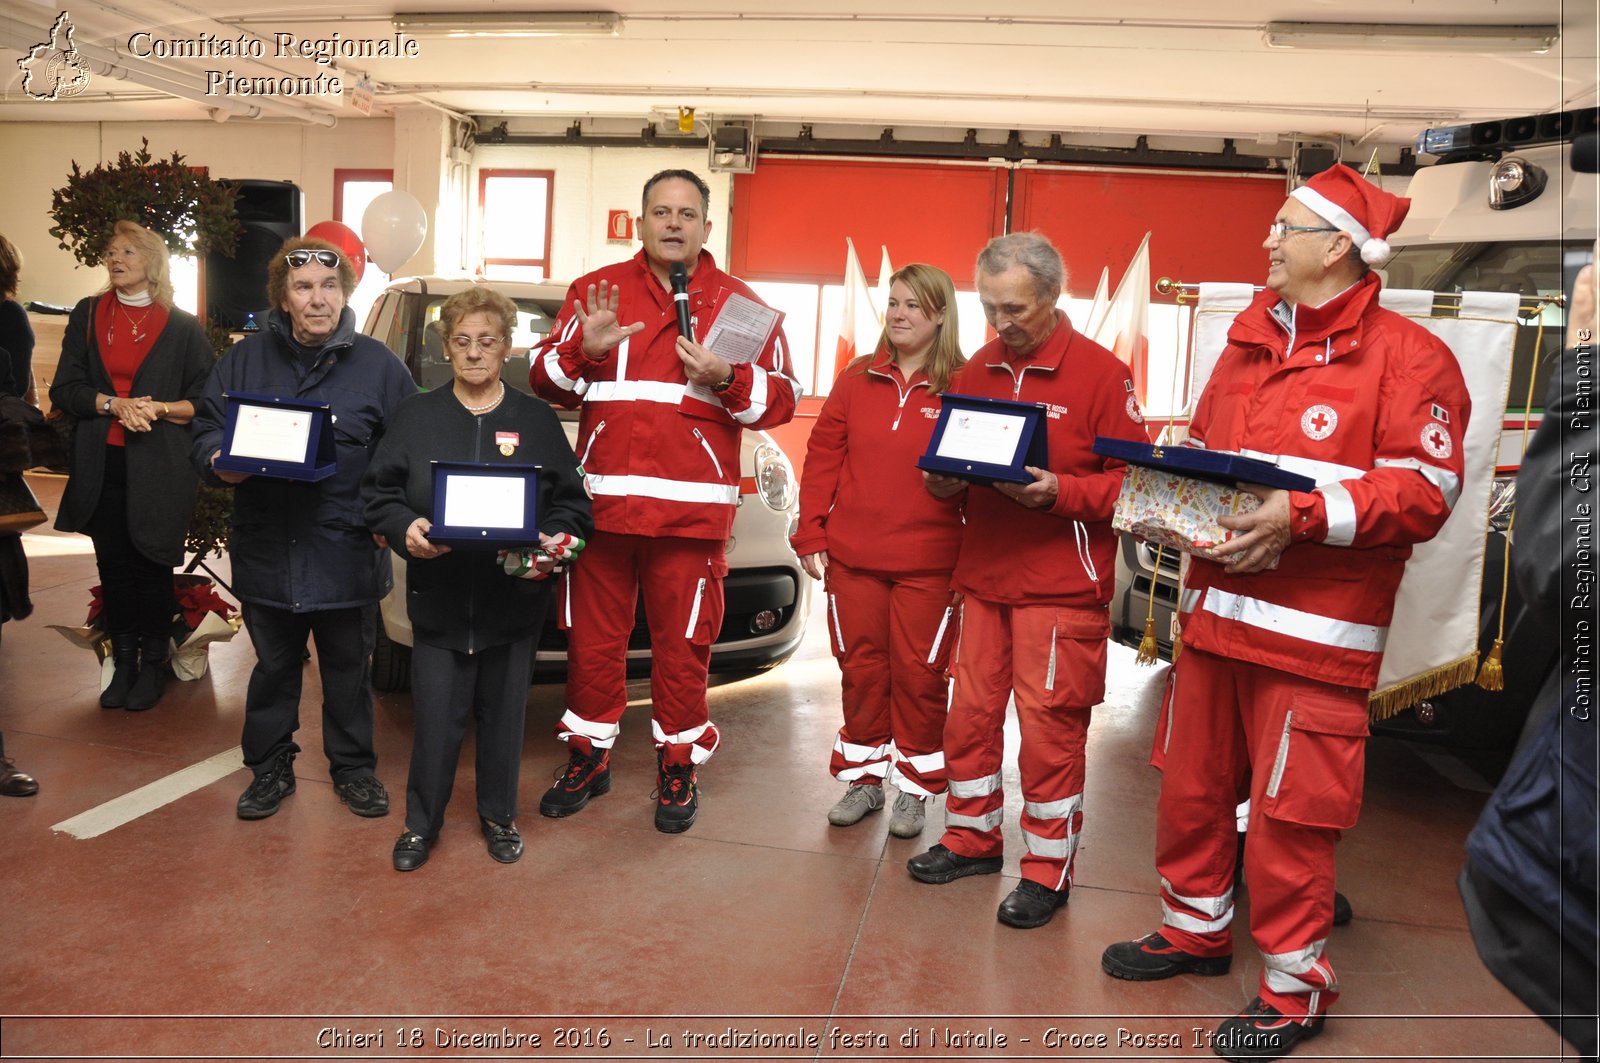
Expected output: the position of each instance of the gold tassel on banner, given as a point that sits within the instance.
(1492, 676)
(1148, 652)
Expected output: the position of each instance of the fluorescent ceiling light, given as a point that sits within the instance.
(1411, 37)
(509, 23)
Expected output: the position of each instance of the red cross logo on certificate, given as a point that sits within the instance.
(1319, 421)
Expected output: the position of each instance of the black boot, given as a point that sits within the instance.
(125, 658)
(152, 681)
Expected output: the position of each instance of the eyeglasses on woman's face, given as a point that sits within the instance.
(487, 344)
(296, 259)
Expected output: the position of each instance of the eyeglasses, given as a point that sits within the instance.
(324, 258)
(486, 344)
(1278, 230)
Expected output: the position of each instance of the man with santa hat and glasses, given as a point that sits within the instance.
(1284, 629)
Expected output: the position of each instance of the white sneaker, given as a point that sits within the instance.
(909, 816)
(855, 804)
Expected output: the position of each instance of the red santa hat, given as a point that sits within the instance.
(1355, 205)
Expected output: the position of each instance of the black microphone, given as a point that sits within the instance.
(680, 298)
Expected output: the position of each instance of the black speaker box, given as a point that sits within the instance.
(271, 212)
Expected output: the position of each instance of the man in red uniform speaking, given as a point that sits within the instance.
(662, 462)
(1036, 570)
(1283, 632)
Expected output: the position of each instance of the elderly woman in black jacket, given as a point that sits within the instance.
(132, 366)
(475, 616)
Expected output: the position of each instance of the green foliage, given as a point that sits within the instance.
(193, 213)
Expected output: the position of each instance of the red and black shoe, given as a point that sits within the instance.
(1261, 1031)
(1153, 957)
(677, 796)
(587, 774)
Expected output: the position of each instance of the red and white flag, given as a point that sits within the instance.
(880, 300)
(1100, 303)
(859, 325)
(1125, 327)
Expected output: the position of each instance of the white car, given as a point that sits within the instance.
(767, 594)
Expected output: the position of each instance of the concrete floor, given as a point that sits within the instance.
(186, 933)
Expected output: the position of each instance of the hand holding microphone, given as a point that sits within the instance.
(699, 365)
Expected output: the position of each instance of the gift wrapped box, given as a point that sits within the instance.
(1175, 511)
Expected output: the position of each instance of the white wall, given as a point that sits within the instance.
(589, 182)
(39, 156)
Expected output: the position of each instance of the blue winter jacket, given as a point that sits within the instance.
(305, 546)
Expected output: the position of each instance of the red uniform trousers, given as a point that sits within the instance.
(1053, 658)
(1296, 748)
(682, 584)
(891, 635)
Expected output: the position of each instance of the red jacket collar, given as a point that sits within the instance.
(705, 269)
(1258, 324)
(1049, 354)
(882, 364)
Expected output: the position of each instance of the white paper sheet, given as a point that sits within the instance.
(982, 436)
(741, 329)
(270, 434)
(479, 501)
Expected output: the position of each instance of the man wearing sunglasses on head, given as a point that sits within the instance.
(304, 563)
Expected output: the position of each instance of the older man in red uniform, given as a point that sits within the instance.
(1036, 571)
(662, 462)
(1283, 632)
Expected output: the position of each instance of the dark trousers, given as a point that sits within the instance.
(344, 639)
(136, 593)
(447, 688)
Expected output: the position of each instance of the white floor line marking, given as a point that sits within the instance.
(130, 806)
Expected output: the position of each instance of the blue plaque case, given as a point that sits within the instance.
(1032, 449)
(496, 537)
(1200, 464)
(320, 459)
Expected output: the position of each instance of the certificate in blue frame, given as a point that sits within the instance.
(511, 520)
(316, 460)
(1197, 463)
(1028, 445)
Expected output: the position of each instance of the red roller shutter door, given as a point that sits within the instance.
(1204, 227)
(791, 217)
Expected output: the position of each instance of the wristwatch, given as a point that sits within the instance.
(724, 384)
(105, 407)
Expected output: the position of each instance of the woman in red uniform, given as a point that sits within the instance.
(884, 548)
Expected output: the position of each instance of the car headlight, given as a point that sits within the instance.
(774, 477)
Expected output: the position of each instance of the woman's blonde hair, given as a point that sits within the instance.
(157, 271)
(934, 292)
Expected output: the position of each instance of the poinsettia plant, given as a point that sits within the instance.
(197, 597)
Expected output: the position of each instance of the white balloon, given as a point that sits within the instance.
(393, 228)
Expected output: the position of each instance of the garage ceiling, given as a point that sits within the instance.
(1161, 68)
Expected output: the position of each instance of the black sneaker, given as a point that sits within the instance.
(586, 775)
(505, 843)
(1031, 904)
(677, 796)
(1261, 1031)
(267, 790)
(939, 865)
(1342, 912)
(1153, 957)
(365, 795)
